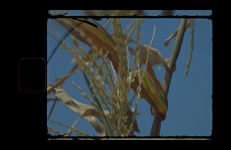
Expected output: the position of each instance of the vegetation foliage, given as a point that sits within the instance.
(113, 49)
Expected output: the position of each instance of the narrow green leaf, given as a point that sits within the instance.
(97, 101)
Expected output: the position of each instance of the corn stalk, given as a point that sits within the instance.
(155, 130)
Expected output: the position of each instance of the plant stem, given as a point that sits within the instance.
(155, 131)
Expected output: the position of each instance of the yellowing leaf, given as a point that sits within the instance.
(152, 91)
(99, 37)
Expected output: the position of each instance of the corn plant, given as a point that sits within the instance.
(112, 108)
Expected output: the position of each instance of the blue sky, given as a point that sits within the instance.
(189, 98)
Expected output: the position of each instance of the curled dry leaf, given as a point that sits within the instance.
(87, 111)
(155, 57)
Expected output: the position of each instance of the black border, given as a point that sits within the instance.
(37, 46)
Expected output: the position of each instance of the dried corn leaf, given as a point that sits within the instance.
(52, 99)
(97, 126)
(87, 111)
(53, 131)
(79, 132)
(99, 38)
(155, 57)
(152, 92)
